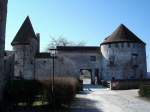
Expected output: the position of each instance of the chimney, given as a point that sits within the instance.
(38, 38)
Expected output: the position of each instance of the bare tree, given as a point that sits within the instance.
(62, 41)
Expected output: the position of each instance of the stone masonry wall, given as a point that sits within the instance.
(123, 61)
(82, 60)
(3, 13)
(25, 59)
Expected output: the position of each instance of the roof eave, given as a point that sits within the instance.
(104, 43)
(13, 44)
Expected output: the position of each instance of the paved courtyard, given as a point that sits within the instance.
(98, 99)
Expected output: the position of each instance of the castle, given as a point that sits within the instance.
(121, 55)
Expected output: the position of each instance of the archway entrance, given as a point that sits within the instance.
(86, 76)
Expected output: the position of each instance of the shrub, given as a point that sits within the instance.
(144, 91)
(128, 84)
(22, 91)
(26, 91)
(65, 89)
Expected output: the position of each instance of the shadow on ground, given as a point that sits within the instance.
(79, 104)
(44, 108)
(84, 105)
(86, 86)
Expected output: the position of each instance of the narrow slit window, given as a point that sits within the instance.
(93, 58)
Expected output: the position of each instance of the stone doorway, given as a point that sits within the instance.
(86, 76)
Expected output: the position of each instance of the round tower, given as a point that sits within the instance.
(123, 56)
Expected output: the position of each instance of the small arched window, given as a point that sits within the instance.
(122, 45)
(93, 58)
(116, 45)
(44, 61)
(128, 44)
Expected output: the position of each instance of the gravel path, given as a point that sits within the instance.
(95, 99)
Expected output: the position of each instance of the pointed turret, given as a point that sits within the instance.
(24, 34)
(122, 34)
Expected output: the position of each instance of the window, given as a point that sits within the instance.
(128, 44)
(116, 45)
(122, 45)
(44, 61)
(109, 45)
(16, 62)
(134, 46)
(134, 60)
(111, 60)
(31, 61)
(93, 58)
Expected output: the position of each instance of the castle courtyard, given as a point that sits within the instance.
(105, 100)
(99, 99)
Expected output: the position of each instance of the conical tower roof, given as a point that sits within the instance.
(24, 34)
(122, 34)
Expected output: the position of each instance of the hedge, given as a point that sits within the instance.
(65, 89)
(22, 91)
(27, 91)
(144, 91)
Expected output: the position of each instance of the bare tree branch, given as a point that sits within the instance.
(62, 41)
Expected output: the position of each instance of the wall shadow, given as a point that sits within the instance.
(85, 105)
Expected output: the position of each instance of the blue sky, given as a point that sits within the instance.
(80, 20)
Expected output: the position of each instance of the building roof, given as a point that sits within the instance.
(43, 55)
(122, 34)
(25, 33)
(78, 48)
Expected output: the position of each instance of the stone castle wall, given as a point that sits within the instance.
(123, 61)
(3, 13)
(25, 59)
(82, 60)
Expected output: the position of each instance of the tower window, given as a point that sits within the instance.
(93, 58)
(44, 61)
(31, 62)
(122, 45)
(16, 62)
(134, 60)
(111, 60)
(116, 45)
(128, 44)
